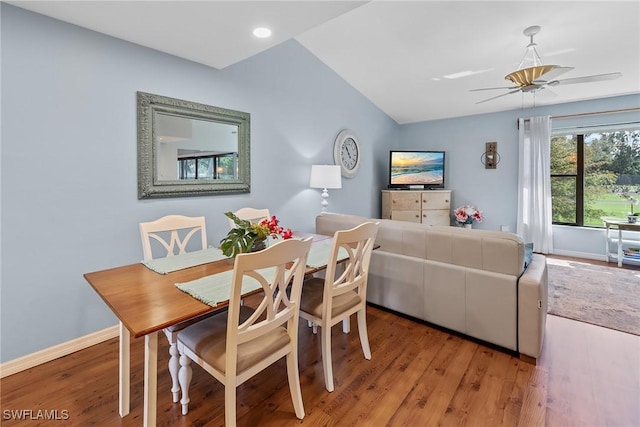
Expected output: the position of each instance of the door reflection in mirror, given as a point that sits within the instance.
(188, 149)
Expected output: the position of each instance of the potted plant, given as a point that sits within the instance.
(632, 217)
(466, 215)
(250, 236)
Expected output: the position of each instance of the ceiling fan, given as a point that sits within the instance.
(539, 76)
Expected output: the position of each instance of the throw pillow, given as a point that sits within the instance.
(528, 254)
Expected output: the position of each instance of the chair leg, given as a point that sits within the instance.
(184, 377)
(326, 357)
(230, 403)
(174, 367)
(294, 383)
(346, 325)
(362, 330)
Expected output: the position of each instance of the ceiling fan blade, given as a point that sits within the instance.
(499, 96)
(552, 74)
(493, 88)
(585, 79)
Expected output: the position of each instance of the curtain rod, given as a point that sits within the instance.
(594, 113)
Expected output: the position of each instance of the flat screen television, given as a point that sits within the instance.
(416, 169)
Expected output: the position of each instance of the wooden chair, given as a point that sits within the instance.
(171, 235)
(250, 214)
(342, 292)
(236, 344)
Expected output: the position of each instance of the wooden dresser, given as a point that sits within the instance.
(431, 207)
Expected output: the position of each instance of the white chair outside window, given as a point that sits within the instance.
(342, 292)
(169, 236)
(250, 214)
(235, 345)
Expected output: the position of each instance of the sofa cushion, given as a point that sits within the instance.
(328, 223)
(404, 238)
(494, 251)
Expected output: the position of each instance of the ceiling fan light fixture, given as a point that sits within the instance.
(532, 76)
(527, 76)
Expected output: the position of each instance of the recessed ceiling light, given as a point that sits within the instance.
(262, 32)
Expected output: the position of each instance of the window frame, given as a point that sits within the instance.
(579, 175)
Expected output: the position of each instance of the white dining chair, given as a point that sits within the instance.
(251, 215)
(342, 292)
(169, 236)
(236, 344)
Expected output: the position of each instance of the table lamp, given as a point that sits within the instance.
(325, 177)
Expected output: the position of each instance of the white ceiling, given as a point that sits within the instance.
(396, 53)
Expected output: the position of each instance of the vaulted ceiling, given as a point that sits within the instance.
(416, 60)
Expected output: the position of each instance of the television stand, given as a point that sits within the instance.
(430, 207)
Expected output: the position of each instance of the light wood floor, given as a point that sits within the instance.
(418, 376)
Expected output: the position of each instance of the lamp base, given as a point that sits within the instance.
(325, 202)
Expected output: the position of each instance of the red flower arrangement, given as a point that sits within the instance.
(275, 229)
(250, 236)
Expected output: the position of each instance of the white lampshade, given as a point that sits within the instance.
(325, 176)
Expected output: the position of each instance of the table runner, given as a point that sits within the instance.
(216, 288)
(180, 262)
(318, 257)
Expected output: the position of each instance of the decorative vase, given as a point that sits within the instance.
(632, 219)
(469, 226)
(259, 245)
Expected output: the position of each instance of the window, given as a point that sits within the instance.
(221, 166)
(594, 174)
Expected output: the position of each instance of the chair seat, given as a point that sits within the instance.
(207, 338)
(312, 294)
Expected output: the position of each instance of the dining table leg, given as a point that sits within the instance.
(150, 378)
(124, 371)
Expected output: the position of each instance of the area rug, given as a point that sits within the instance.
(603, 296)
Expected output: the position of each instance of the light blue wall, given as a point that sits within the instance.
(68, 165)
(495, 191)
(69, 180)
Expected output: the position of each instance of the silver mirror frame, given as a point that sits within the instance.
(150, 187)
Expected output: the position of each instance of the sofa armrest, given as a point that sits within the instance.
(532, 306)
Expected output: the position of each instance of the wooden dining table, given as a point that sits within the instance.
(146, 302)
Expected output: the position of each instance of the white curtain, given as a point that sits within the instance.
(534, 183)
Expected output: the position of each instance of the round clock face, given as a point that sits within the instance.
(346, 153)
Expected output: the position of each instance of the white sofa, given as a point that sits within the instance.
(469, 281)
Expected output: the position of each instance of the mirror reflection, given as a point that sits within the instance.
(195, 149)
(186, 148)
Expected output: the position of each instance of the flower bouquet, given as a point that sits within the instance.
(250, 236)
(467, 214)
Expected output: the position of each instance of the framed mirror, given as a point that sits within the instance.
(189, 149)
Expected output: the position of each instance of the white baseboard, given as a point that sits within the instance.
(586, 255)
(39, 357)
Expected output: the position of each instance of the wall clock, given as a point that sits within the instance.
(347, 153)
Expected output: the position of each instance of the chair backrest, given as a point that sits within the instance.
(275, 268)
(173, 233)
(251, 215)
(351, 274)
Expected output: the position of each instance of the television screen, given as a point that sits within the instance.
(412, 169)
